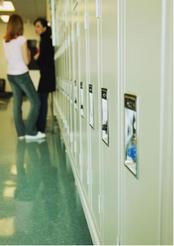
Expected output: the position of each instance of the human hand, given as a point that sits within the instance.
(36, 56)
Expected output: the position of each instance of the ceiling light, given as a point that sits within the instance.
(7, 6)
(4, 18)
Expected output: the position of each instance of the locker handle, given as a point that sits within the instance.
(105, 127)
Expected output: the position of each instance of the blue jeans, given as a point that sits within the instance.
(21, 84)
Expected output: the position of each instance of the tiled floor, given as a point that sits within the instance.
(39, 203)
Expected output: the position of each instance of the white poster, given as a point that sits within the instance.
(105, 130)
(130, 133)
(91, 106)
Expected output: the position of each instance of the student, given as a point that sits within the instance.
(17, 56)
(45, 58)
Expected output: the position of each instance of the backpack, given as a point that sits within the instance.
(2, 85)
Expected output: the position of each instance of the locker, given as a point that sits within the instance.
(94, 113)
(114, 108)
(109, 151)
(142, 76)
(75, 89)
(84, 136)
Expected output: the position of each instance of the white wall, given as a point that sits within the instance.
(29, 34)
(3, 66)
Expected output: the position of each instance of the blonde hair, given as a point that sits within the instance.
(14, 28)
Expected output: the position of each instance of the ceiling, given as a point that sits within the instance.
(30, 9)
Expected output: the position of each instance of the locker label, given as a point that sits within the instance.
(81, 100)
(130, 104)
(75, 94)
(105, 124)
(91, 106)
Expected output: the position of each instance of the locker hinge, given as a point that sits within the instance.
(88, 181)
(99, 203)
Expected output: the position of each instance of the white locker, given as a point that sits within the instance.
(144, 44)
(114, 108)
(109, 109)
(94, 111)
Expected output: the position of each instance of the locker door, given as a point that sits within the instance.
(66, 83)
(75, 89)
(94, 107)
(69, 79)
(146, 64)
(78, 73)
(84, 136)
(109, 125)
(71, 89)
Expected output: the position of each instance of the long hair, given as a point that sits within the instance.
(14, 28)
(44, 23)
(42, 20)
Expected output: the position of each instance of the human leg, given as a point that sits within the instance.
(42, 118)
(32, 95)
(17, 106)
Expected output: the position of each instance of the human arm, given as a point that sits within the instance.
(36, 56)
(26, 53)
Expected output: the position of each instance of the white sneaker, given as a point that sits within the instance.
(21, 137)
(39, 135)
(39, 141)
(43, 134)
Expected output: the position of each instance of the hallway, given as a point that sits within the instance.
(39, 203)
(104, 174)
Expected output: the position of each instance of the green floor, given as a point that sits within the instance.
(39, 203)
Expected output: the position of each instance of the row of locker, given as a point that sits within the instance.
(70, 91)
(114, 80)
(78, 124)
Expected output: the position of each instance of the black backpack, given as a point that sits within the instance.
(2, 85)
(4, 94)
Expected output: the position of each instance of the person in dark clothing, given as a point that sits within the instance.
(45, 58)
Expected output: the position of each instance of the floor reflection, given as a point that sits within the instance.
(36, 183)
(44, 204)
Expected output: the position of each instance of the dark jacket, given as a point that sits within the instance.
(46, 63)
